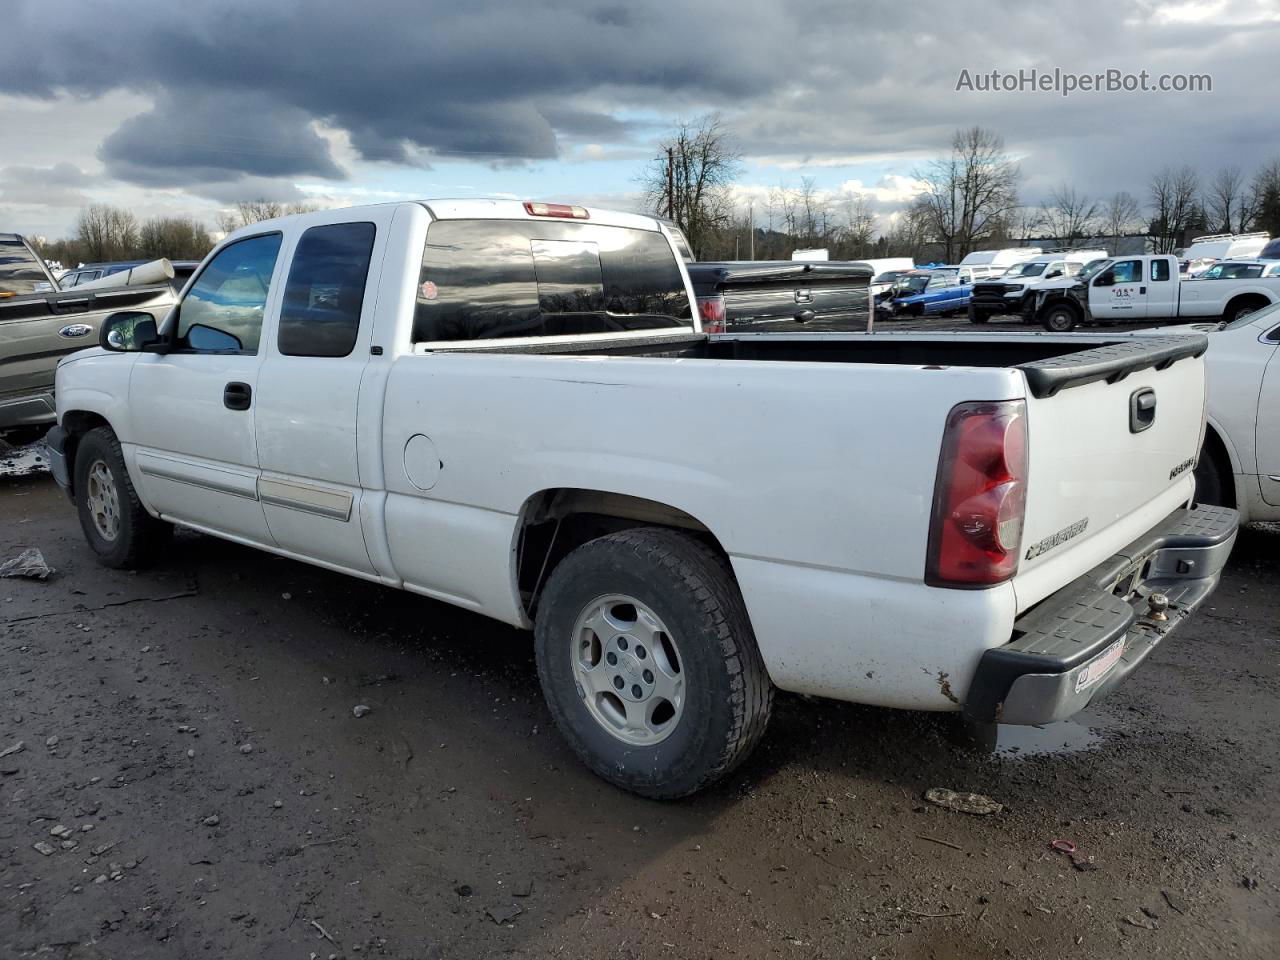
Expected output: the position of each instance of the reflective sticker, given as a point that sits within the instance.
(429, 291)
(1098, 668)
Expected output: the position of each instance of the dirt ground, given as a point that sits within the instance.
(191, 729)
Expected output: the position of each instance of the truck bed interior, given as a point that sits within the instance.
(1050, 362)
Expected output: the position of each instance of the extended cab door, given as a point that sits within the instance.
(1119, 293)
(1163, 288)
(310, 387)
(191, 433)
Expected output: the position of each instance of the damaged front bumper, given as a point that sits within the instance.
(1077, 645)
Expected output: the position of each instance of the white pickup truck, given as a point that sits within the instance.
(1128, 289)
(504, 406)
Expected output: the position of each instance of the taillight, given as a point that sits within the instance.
(980, 496)
(535, 209)
(712, 311)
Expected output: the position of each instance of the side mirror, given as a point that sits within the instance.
(128, 332)
(1105, 280)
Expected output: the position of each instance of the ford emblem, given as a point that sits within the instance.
(73, 330)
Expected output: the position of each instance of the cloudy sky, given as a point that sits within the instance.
(185, 108)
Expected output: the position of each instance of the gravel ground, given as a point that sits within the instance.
(192, 781)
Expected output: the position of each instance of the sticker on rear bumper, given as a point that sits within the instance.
(1098, 668)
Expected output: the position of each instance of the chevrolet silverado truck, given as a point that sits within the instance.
(1128, 289)
(40, 323)
(503, 406)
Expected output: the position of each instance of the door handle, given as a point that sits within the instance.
(237, 395)
(1142, 291)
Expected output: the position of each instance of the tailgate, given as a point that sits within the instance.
(1113, 435)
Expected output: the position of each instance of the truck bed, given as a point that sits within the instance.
(1049, 362)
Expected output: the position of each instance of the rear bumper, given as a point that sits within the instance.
(27, 411)
(1080, 643)
(56, 441)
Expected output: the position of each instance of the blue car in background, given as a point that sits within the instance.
(927, 293)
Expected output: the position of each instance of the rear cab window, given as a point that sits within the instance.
(20, 272)
(499, 279)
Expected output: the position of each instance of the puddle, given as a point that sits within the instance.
(1054, 739)
(1082, 732)
(23, 461)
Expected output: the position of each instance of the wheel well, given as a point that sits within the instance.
(1244, 300)
(75, 424)
(1216, 450)
(1060, 302)
(554, 523)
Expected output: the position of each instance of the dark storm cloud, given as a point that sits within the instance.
(239, 83)
(208, 138)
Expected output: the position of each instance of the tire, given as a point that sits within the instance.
(976, 317)
(725, 697)
(1210, 484)
(118, 528)
(1241, 311)
(1059, 319)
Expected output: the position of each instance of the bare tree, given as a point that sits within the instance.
(1173, 205)
(105, 233)
(970, 193)
(1024, 222)
(1264, 198)
(1227, 201)
(177, 238)
(690, 178)
(247, 212)
(1068, 215)
(1120, 215)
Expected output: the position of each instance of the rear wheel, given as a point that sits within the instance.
(648, 662)
(1238, 311)
(1059, 319)
(116, 525)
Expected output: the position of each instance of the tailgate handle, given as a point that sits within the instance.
(804, 296)
(1142, 409)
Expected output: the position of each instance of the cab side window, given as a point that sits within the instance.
(222, 312)
(1159, 270)
(320, 316)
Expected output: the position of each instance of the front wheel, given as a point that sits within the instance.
(116, 525)
(1059, 319)
(976, 317)
(648, 662)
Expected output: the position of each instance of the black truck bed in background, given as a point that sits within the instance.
(781, 294)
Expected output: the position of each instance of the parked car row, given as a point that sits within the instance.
(503, 406)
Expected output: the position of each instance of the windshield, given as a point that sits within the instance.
(1031, 268)
(888, 276)
(909, 285)
(1233, 271)
(1093, 268)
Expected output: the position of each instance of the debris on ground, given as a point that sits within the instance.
(503, 913)
(974, 803)
(361, 710)
(29, 564)
(16, 748)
